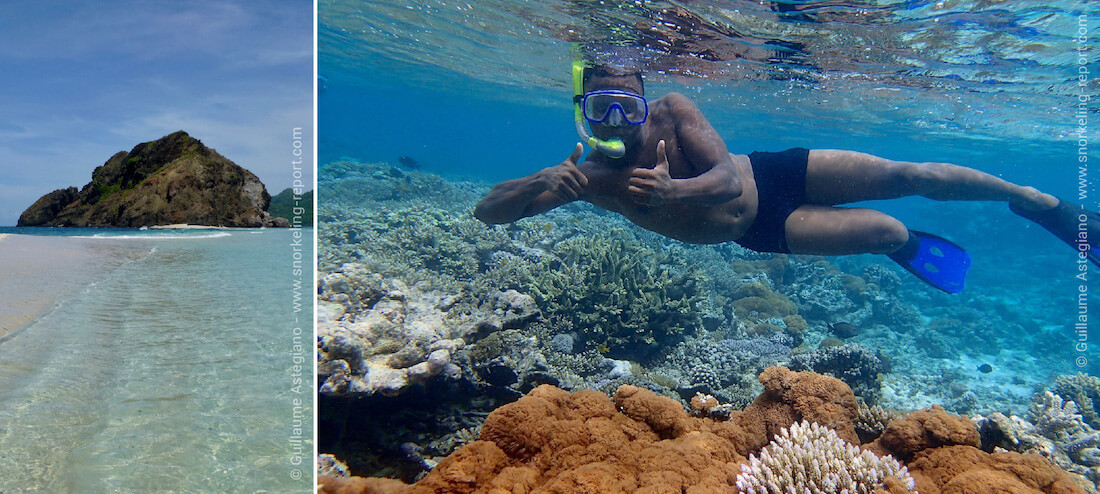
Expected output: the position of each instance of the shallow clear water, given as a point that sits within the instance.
(171, 373)
(483, 87)
(481, 90)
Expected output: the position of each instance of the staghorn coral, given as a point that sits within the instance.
(806, 457)
(1053, 416)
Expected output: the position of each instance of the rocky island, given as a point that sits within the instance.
(172, 180)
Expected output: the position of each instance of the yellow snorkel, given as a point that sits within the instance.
(613, 148)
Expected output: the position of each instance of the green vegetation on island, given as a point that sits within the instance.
(172, 180)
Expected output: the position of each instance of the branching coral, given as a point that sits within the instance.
(616, 293)
(806, 457)
(1053, 416)
(872, 420)
(1084, 390)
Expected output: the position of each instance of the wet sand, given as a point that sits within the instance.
(38, 271)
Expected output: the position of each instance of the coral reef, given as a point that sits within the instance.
(406, 272)
(1053, 430)
(854, 364)
(1084, 390)
(962, 469)
(637, 442)
(329, 466)
(724, 368)
(925, 429)
(378, 335)
(629, 299)
(806, 457)
(872, 420)
(756, 301)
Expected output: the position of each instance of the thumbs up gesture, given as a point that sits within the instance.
(652, 186)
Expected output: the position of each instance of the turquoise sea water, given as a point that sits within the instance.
(481, 91)
(173, 372)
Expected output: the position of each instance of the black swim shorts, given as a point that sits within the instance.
(781, 188)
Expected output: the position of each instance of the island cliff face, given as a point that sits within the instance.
(175, 179)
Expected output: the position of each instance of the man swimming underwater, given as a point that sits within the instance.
(662, 166)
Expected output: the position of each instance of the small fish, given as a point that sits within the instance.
(985, 368)
(844, 330)
(408, 162)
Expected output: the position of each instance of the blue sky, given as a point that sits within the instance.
(84, 80)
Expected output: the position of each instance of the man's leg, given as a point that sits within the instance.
(840, 177)
(829, 231)
(826, 230)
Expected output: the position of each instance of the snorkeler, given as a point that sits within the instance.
(663, 166)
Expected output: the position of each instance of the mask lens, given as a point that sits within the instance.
(598, 105)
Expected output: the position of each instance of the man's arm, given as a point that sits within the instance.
(534, 194)
(717, 179)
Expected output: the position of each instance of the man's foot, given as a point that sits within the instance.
(1033, 200)
(936, 260)
(1072, 224)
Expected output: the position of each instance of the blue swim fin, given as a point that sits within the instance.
(936, 260)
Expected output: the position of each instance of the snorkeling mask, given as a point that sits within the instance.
(600, 106)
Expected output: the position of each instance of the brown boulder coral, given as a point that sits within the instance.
(968, 470)
(929, 428)
(791, 397)
(552, 442)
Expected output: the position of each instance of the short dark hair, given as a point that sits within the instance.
(605, 71)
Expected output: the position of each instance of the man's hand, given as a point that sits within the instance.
(652, 186)
(565, 180)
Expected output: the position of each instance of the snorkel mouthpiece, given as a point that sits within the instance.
(613, 148)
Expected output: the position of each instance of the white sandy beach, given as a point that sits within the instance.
(38, 271)
(186, 226)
